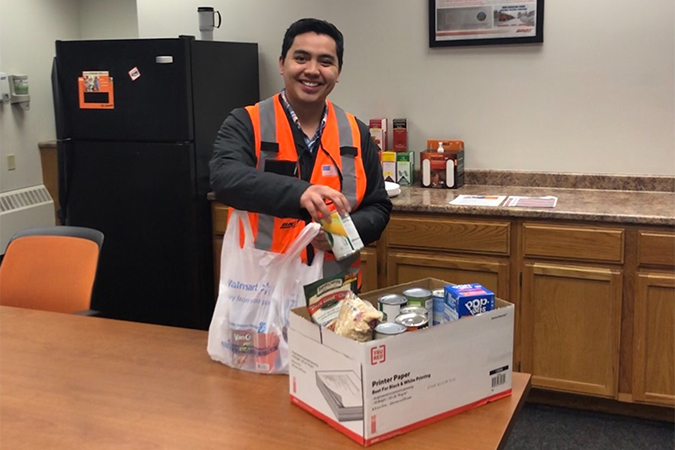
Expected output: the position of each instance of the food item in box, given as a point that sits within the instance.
(387, 329)
(421, 297)
(465, 300)
(413, 321)
(391, 305)
(324, 296)
(357, 319)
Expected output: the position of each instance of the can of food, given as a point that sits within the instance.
(391, 304)
(438, 298)
(413, 321)
(421, 297)
(415, 310)
(387, 329)
(342, 235)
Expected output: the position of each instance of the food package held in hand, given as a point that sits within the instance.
(342, 235)
(325, 296)
(357, 319)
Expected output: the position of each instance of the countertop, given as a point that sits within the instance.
(596, 205)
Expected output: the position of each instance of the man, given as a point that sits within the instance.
(288, 158)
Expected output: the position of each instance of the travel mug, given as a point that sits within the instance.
(207, 22)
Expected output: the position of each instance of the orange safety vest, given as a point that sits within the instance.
(338, 165)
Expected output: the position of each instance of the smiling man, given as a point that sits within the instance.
(288, 158)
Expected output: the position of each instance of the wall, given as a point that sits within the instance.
(29, 50)
(597, 97)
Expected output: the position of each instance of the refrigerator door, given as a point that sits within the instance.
(142, 197)
(126, 90)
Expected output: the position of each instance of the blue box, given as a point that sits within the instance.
(462, 300)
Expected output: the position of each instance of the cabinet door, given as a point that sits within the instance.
(491, 272)
(570, 327)
(368, 269)
(654, 339)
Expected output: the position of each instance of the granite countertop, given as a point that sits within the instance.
(642, 200)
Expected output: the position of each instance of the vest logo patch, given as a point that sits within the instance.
(290, 224)
(328, 170)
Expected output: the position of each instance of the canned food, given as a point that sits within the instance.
(387, 329)
(415, 310)
(421, 297)
(438, 298)
(391, 304)
(342, 235)
(413, 321)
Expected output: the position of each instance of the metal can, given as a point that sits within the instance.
(414, 310)
(421, 297)
(391, 304)
(387, 329)
(438, 298)
(342, 235)
(413, 321)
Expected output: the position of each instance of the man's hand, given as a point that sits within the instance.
(314, 201)
(320, 242)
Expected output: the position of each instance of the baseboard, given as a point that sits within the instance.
(609, 406)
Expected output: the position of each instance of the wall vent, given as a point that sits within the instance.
(23, 198)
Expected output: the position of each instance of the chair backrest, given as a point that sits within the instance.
(51, 269)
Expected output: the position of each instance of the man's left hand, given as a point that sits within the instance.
(320, 242)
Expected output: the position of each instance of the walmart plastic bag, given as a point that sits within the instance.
(257, 291)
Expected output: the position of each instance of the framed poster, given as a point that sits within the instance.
(485, 22)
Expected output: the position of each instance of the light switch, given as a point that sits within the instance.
(11, 162)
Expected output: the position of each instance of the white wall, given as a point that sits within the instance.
(108, 19)
(597, 97)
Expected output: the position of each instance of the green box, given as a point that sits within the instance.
(405, 168)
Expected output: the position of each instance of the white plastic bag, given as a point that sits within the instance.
(257, 291)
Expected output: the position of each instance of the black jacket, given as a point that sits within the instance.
(236, 182)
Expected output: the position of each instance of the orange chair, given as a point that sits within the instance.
(51, 269)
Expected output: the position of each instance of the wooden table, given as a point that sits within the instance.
(73, 382)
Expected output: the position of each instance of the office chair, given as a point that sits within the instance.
(51, 269)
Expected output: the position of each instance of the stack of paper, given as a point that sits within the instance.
(478, 200)
(341, 389)
(531, 202)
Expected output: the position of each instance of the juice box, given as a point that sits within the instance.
(342, 235)
(462, 300)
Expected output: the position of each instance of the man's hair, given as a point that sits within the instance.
(316, 26)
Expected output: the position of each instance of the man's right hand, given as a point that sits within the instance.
(314, 201)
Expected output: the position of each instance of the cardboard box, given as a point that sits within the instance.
(376, 390)
(378, 132)
(405, 168)
(400, 131)
(389, 166)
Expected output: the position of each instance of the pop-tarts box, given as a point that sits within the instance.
(372, 391)
(463, 300)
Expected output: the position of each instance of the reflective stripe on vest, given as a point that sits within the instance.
(340, 147)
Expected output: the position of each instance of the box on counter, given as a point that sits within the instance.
(376, 390)
(466, 300)
(400, 131)
(405, 168)
(443, 169)
(389, 166)
(378, 132)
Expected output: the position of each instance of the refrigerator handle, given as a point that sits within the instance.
(62, 143)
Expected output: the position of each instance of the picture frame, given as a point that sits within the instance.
(454, 23)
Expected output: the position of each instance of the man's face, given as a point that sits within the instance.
(310, 69)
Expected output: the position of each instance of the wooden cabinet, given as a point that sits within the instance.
(406, 266)
(369, 269)
(570, 322)
(654, 320)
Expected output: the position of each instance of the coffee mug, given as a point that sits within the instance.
(207, 22)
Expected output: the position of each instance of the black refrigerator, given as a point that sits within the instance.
(136, 121)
